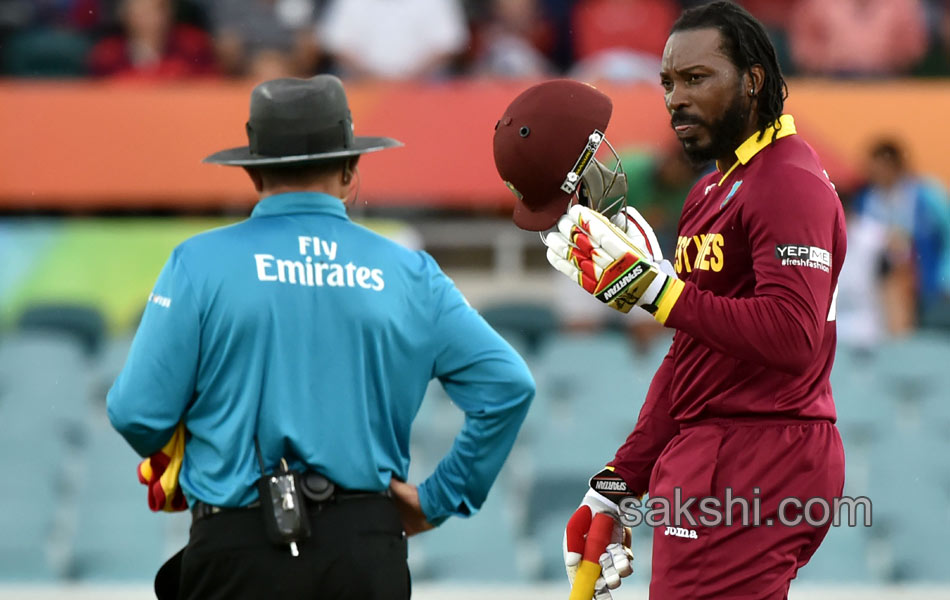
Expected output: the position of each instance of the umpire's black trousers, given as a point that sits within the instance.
(356, 550)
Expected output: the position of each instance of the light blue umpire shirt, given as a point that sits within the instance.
(321, 337)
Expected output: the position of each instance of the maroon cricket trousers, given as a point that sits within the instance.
(764, 459)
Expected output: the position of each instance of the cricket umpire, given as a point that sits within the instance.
(296, 347)
(741, 405)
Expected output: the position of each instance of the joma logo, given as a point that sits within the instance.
(681, 532)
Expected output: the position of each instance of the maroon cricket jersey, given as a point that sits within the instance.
(759, 252)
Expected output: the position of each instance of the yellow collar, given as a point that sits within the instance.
(754, 144)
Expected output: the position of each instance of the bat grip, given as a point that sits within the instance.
(598, 537)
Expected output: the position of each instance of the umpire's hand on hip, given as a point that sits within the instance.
(406, 497)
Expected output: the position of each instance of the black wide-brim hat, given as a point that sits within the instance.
(296, 121)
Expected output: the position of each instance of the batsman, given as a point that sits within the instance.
(741, 406)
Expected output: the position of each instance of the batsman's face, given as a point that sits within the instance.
(704, 94)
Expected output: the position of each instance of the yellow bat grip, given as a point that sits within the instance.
(584, 580)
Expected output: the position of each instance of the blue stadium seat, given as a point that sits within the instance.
(43, 426)
(910, 491)
(842, 556)
(483, 548)
(913, 371)
(27, 520)
(864, 408)
(592, 378)
(435, 427)
(46, 53)
(44, 381)
(84, 323)
(117, 536)
(527, 323)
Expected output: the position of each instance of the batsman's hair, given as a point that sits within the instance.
(747, 44)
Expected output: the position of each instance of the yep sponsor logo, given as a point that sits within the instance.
(802, 255)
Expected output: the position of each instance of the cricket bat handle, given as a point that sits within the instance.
(598, 537)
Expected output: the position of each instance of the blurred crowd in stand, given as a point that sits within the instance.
(897, 277)
(618, 40)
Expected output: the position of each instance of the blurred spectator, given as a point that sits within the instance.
(943, 35)
(394, 39)
(265, 39)
(774, 15)
(621, 40)
(515, 42)
(858, 37)
(915, 214)
(152, 46)
(83, 15)
(937, 60)
(865, 281)
(47, 38)
(558, 13)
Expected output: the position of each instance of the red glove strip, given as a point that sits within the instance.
(577, 527)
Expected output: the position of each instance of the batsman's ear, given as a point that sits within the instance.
(756, 79)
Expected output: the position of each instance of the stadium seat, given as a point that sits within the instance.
(44, 386)
(864, 408)
(46, 53)
(117, 536)
(28, 518)
(532, 323)
(914, 366)
(916, 374)
(477, 549)
(587, 402)
(842, 556)
(910, 490)
(108, 365)
(590, 375)
(919, 546)
(436, 424)
(85, 323)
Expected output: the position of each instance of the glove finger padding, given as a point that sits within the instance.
(632, 279)
(603, 233)
(632, 223)
(600, 257)
(574, 536)
(578, 259)
(572, 270)
(601, 591)
(616, 563)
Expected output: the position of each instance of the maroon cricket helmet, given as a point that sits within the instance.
(543, 143)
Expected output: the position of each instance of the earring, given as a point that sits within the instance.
(752, 92)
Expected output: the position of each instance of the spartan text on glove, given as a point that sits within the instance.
(621, 283)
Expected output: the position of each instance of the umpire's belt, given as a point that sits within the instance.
(316, 488)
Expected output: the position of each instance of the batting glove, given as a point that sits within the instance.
(605, 261)
(613, 557)
(638, 231)
(641, 235)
